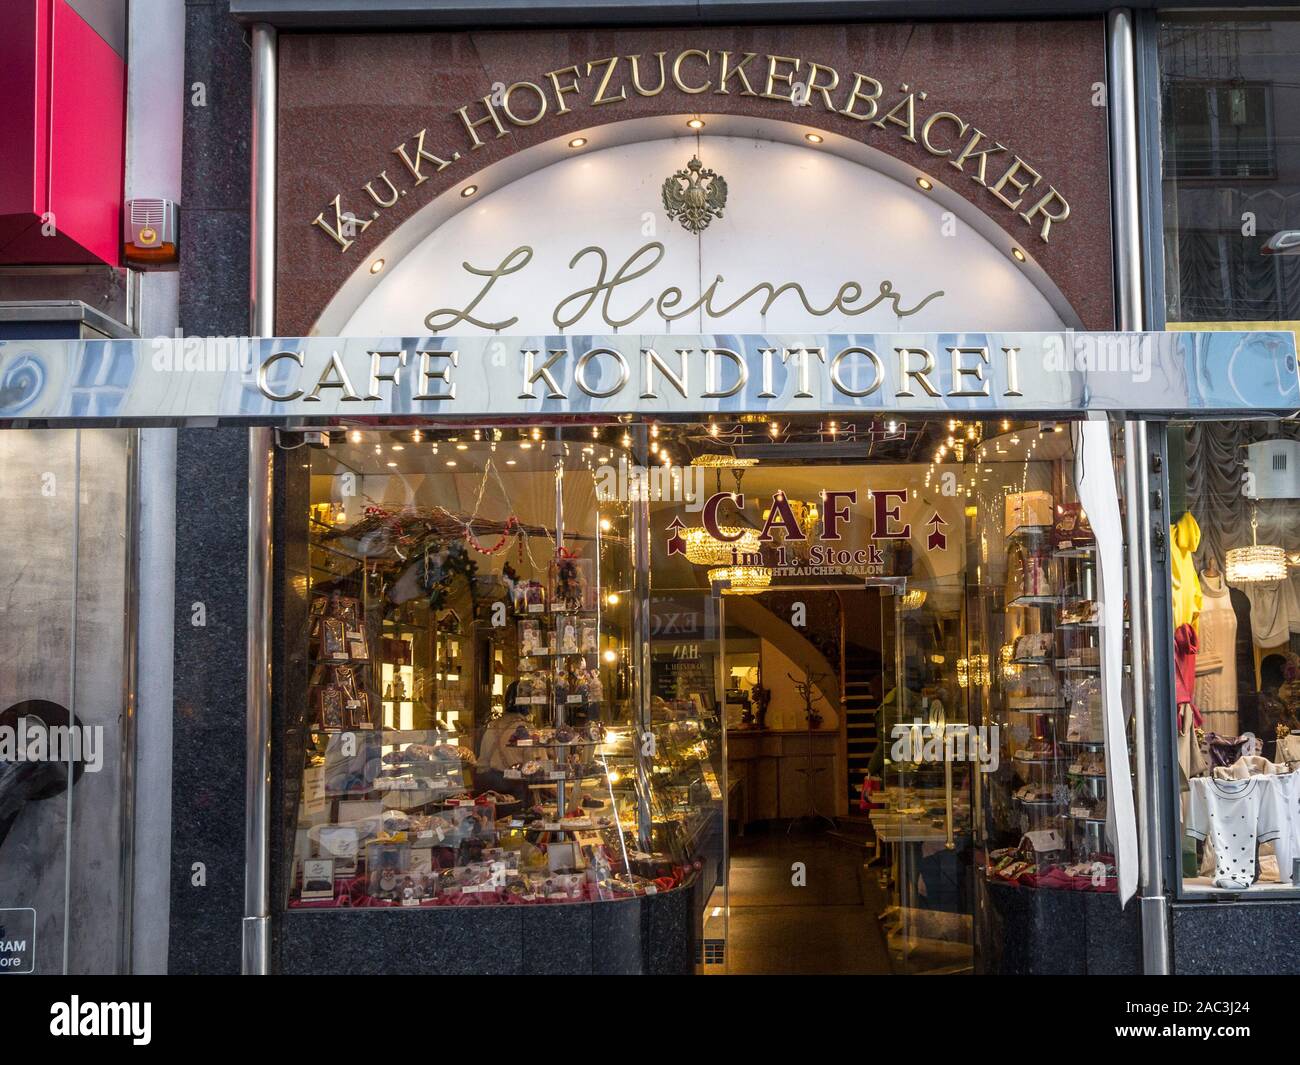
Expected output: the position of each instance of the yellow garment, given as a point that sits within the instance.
(1185, 538)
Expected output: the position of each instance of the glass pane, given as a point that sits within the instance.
(911, 675)
(1231, 130)
(467, 729)
(1234, 550)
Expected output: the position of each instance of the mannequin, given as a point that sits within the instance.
(1216, 662)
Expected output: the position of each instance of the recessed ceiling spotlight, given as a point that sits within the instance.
(469, 190)
(1018, 255)
(925, 184)
(813, 138)
(376, 266)
(696, 123)
(451, 462)
(578, 142)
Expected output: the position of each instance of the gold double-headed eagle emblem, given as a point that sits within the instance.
(695, 196)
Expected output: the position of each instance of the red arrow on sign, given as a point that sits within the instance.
(936, 540)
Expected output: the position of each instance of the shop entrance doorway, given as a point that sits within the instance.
(906, 659)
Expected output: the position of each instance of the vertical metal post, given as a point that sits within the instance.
(257, 828)
(639, 527)
(1126, 227)
(1125, 188)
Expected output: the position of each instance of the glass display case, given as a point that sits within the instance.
(470, 728)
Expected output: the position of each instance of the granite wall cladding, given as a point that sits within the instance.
(1236, 939)
(211, 512)
(653, 936)
(347, 101)
(1060, 933)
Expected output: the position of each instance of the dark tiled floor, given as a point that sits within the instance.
(826, 926)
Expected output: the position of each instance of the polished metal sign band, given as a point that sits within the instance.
(170, 380)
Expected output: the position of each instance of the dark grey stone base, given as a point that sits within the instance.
(1236, 938)
(1045, 932)
(652, 936)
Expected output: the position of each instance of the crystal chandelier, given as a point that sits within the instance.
(704, 549)
(973, 671)
(743, 580)
(913, 600)
(1256, 564)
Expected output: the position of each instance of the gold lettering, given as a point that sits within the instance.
(677, 70)
(560, 90)
(635, 60)
(472, 127)
(336, 231)
(334, 376)
(1009, 178)
(739, 71)
(427, 373)
(983, 154)
(907, 103)
(383, 174)
(601, 98)
(512, 263)
(813, 70)
(541, 101)
(785, 77)
(420, 156)
(928, 125)
(921, 376)
(856, 94)
(1040, 208)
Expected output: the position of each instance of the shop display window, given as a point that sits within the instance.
(463, 724)
(1235, 556)
(918, 639)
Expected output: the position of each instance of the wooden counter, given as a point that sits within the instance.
(782, 774)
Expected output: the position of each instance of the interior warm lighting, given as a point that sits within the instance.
(913, 600)
(723, 461)
(376, 266)
(578, 142)
(355, 436)
(703, 549)
(1256, 564)
(605, 525)
(469, 190)
(813, 138)
(696, 123)
(1018, 254)
(612, 600)
(925, 184)
(511, 462)
(451, 462)
(610, 656)
(743, 580)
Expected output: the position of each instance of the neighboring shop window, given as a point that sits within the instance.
(1231, 131)
(1235, 490)
(462, 694)
(1230, 113)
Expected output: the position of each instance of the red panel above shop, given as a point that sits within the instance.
(64, 87)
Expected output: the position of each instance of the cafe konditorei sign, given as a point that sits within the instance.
(1012, 182)
(271, 379)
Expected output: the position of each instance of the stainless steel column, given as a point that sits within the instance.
(257, 827)
(1126, 227)
(641, 658)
